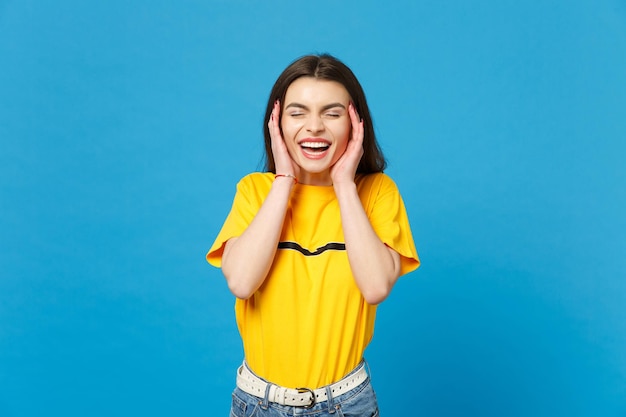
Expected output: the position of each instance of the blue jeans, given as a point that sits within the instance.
(358, 402)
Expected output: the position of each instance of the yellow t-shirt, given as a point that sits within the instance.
(308, 324)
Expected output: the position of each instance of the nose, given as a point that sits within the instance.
(314, 124)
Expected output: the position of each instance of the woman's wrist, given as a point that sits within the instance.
(345, 191)
(288, 176)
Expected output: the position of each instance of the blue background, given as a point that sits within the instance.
(125, 125)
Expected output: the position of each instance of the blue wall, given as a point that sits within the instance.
(124, 127)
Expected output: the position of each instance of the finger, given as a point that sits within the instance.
(276, 111)
(357, 122)
(354, 116)
(358, 132)
(273, 124)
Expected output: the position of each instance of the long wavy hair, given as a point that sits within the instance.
(329, 68)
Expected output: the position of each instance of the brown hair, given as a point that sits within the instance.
(327, 67)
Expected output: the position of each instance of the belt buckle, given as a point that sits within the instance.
(302, 391)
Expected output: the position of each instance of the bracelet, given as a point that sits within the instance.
(295, 180)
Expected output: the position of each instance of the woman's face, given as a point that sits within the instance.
(316, 126)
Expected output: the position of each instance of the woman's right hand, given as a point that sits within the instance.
(283, 162)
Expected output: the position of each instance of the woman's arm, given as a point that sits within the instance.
(375, 266)
(248, 258)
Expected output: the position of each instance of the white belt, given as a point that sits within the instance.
(298, 397)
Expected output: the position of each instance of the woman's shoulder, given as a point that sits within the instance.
(256, 183)
(378, 180)
(257, 178)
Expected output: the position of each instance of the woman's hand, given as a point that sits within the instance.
(345, 168)
(283, 162)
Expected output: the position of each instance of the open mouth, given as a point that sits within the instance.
(314, 147)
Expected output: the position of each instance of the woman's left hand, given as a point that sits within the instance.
(345, 168)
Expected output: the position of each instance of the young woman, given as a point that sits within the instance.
(310, 247)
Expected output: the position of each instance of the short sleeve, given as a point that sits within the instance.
(246, 203)
(387, 213)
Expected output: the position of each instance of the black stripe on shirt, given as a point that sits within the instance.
(306, 252)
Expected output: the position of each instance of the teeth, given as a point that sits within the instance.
(314, 145)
